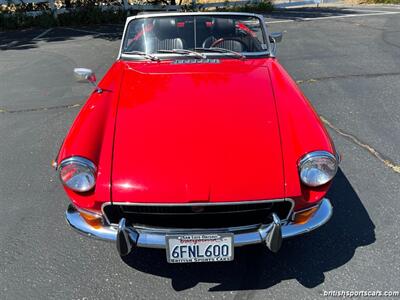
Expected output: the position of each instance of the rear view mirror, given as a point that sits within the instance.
(83, 74)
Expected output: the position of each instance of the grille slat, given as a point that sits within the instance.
(198, 215)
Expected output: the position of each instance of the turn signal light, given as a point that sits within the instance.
(303, 216)
(92, 220)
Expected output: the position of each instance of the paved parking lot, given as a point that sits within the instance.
(346, 60)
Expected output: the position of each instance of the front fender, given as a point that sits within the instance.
(91, 136)
(301, 132)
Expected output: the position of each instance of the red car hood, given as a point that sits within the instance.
(196, 133)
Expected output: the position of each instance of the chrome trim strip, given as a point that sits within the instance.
(197, 204)
(153, 239)
(150, 15)
(89, 212)
(311, 155)
(173, 56)
(79, 160)
(194, 230)
(317, 154)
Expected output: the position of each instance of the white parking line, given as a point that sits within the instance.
(89, 31)
(82, 30)
(289, 12)
(369, 10)
(13, 43)
(279, 21)
(42, 34)
(354, 15)
(390, 6)
(336, 17)
(10, 44)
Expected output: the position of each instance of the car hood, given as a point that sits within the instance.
(196, 133)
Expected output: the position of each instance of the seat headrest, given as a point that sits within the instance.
(165, 28)
(223, 27)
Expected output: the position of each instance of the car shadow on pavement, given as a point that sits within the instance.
(30, 38)
(305, 258)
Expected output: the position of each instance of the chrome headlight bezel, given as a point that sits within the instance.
(85, 168)
(325, 174)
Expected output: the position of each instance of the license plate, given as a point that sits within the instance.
(190, 248)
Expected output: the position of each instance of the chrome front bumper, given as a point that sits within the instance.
(155, 237)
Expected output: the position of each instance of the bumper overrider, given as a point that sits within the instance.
(127, 236)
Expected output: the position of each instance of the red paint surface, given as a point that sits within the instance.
(175, 133)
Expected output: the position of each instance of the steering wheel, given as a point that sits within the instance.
(220, 40)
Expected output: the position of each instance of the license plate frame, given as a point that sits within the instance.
(199, 246)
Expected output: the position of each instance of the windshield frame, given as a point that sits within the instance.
(248, 55)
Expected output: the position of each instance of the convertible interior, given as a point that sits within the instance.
(168, 33)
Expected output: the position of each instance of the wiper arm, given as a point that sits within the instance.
(183, 52)
(222, 50)
(144, 54)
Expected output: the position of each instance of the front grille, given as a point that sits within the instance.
(198, 215)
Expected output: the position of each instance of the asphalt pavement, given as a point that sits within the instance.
(346, 61)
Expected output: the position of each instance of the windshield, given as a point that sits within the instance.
(193, 34)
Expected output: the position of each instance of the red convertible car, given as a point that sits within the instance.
(196, 141)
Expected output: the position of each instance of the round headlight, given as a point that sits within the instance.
(78, 173)
(317, 168)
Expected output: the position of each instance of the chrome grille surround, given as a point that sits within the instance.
(166, 206)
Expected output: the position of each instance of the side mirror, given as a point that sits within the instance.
(276, 37)
(83, 74)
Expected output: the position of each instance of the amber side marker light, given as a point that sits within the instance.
(92, 220)
(303, 216)
(54, 164)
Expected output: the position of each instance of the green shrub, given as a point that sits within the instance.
(94, 16)
(19, 20)
(265, 6)
(83, 16)
(91, 16)
(45, 20)
(382, 1)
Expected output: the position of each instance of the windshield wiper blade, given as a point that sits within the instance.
(222, 50)
(183, 52)
(144, 54)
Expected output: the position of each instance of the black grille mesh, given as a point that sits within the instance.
(198, 215)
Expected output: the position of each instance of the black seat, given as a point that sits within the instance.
(224, 29)
(165, 36)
